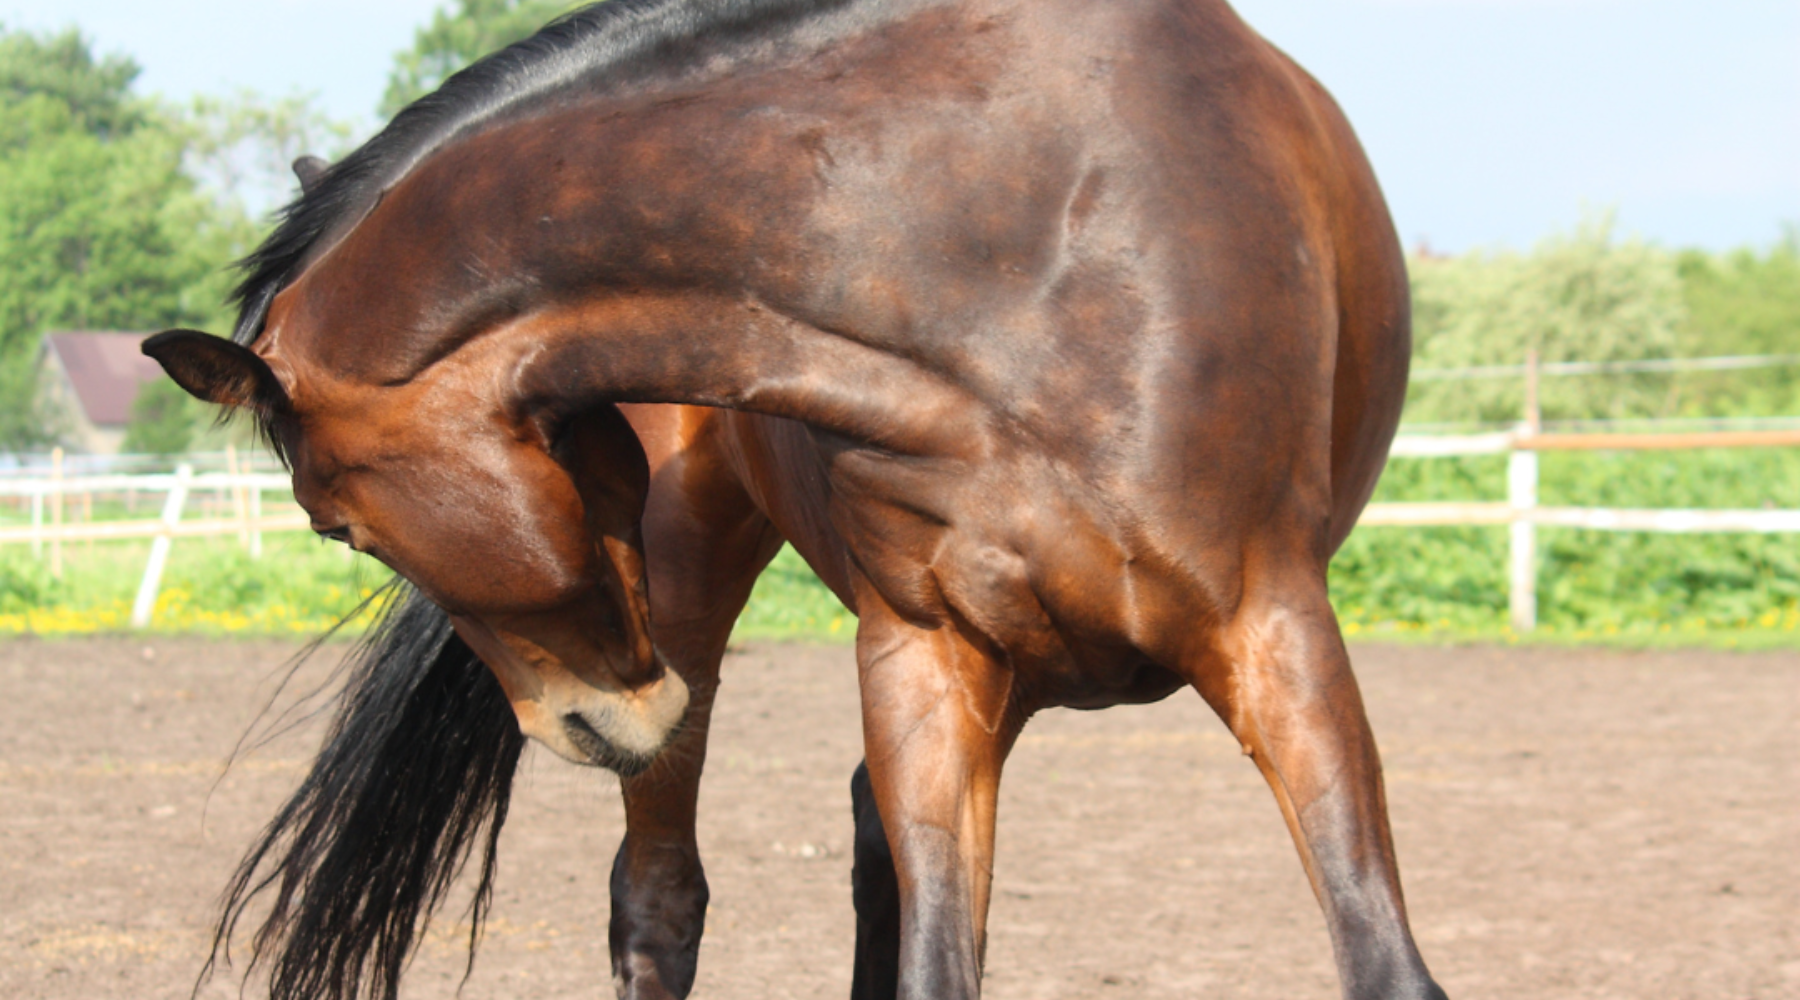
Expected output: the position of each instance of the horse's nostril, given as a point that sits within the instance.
(611, 621)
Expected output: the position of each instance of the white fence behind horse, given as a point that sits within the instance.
(1522, 514)
(245, 492)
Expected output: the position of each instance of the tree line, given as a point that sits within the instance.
(120, 210)
(124, 211)
(1588, 295)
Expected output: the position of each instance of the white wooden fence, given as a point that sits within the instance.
(247, 519)
(1520, 511)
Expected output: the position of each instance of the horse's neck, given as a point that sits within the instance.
(731, 350)
(672, 266)
(654, 251)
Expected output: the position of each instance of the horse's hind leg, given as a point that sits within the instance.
(1282, 682)
(875, 889)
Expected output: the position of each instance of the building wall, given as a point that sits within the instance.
(76, 431)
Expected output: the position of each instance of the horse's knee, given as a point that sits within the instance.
(659, 899)
(875, 890)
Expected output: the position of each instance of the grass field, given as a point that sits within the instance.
(1433, 583)
(211, 585)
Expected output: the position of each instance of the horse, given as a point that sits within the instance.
(1065, 341)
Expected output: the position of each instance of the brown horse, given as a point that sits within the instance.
(1064, 340)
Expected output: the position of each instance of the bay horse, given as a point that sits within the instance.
(1064, 340)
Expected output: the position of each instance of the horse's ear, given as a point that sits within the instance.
(217, 370)
(310, 169)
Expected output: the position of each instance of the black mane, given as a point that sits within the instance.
(609, 42)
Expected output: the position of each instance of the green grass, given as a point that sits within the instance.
(789, 602)
(210, 586)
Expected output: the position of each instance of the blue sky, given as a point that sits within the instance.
(1490, 121)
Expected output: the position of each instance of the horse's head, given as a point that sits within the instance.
(519, 519)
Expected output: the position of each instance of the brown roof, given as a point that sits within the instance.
(106, 371)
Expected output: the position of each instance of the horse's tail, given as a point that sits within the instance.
(417, 769)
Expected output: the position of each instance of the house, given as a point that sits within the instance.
(90, 382)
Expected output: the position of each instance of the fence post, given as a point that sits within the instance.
(37, 521)
(239, 499)
(56, 512)
(256, 522)
(159, 549)
(1522, 495)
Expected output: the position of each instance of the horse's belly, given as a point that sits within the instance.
(1011, 554)
(1069, 646)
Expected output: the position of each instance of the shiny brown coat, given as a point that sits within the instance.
(1065, 341)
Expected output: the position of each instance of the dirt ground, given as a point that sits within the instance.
(1571, 824)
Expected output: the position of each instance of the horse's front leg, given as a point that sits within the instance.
(705, 542)
(659, 892)
(938, 720)
(1281, 680)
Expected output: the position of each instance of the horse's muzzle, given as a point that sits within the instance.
(602, 752)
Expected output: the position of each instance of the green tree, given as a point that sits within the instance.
(62, 67)
(1743, 302)
(27, 420)
(457, 37)
(101, 225)
(1584, 296)
(95, 232)
(164, 420)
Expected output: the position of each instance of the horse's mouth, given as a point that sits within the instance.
(602, 752)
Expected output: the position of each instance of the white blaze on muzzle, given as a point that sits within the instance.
(613, 726)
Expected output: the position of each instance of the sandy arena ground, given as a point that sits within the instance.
(1583, 824)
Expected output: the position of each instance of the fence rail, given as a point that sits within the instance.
(1522, 515)
(1736, 362)
(244, 488)
(112, 531)
(1520, 512)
